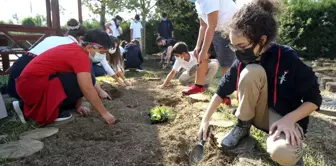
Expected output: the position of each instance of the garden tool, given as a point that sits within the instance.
(196, 153)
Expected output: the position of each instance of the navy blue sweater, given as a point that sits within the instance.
(132, 55)
(296, 82)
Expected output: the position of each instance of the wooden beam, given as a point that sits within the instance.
(55, 16)
(80, 17)
(48, 10)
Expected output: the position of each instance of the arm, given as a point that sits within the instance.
(209, 32)
(169, 77)
(226, 87)
(90, 93)
(201, 34)
(169, 51)
(108, 28)
(308, 89)
(110, 71)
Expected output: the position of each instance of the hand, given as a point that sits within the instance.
(127, 83)
(162, 86)
(84, 111)
(293, 132)
(196, 51)
(203, 57)
(102, 94)
(109, 118)
(121, 83)
(202, 133)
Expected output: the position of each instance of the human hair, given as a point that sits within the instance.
(135, 41)
(164, 14)
(159, 39)
(123, 43)
(75, 29)
(137, 17)
(179, 48)
(97, 36)
(117, 17)
(256, 19)
(114, 56)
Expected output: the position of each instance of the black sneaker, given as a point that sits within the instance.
(63, 116)
(241, 130)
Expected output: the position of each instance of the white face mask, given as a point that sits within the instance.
(98, 57)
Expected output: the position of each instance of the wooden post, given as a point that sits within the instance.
(80, 18)
(48, 10)
(55, 16)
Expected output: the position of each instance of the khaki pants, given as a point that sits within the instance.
(187, 77)
(253, 105)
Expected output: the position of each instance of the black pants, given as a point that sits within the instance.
(98, 70)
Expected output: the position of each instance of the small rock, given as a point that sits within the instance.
(39, 134)
(19, 149)
(222, 123)
(331, 86)
(324, 80)
(198, 98)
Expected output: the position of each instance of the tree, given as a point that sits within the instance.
(145, 7)
(40, 20)
(91, 24)
(28, 21)
(16, 18)
(102, 7)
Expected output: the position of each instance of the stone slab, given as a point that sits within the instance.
(198, 98)
(20, 149)
(222, 123)
(39, 134)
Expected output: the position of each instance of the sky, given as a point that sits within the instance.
(22, 8)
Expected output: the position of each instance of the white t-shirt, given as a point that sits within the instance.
(241, 3)
(136, 26)
(51, 42)
(180, 63)
(226, 9)
(115, 31)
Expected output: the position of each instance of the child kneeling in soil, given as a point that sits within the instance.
(188, 61)
(133, 56)
(276, 91)
(116, 61)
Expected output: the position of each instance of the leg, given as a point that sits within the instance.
(252, 108)
(201, 73)
(279, 150)
(212, 71)
(224, 54)
(185, 79)
(98, 70)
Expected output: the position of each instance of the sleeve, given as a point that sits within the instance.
(172, 26)
(211, 6)
(177, 66)
(306, 83)
(107, 67)
(80, 62)
(227, 84)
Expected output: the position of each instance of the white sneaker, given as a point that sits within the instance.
(127, 70)
(63, 116)
(139, 70)
(18, 111)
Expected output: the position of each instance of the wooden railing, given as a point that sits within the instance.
(16, 39)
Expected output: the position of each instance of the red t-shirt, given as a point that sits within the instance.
(64, 58)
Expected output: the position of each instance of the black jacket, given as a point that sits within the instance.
(296, 82)
(165, 29)
(133, 56)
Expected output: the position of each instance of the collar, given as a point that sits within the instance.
(73, 39)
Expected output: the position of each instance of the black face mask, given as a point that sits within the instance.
(247, 56)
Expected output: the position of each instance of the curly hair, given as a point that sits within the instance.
(256, 19)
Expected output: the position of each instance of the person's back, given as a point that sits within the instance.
(133, 56)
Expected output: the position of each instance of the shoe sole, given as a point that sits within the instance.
(18, 111)
(63, 119)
